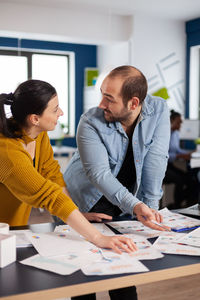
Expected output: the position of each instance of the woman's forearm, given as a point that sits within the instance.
(79, 223)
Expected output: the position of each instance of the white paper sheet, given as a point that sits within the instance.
(192, 238)
(178, 221)
(99, 226)
(53, 264)
(170, 219)
(58, 243)
(65, 264)
(145, 249)
(134, 227)
(144, 252)
(169, 243)
(115, 266)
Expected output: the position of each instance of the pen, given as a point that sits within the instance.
(185, 229)
(160, 225)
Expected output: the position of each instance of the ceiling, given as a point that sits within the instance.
(171, 9)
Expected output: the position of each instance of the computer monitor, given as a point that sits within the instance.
(190, 129)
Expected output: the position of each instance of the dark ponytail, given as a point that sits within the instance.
(174, 114)
(5, 99)
(30, 97)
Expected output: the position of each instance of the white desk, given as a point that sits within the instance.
(195, 159)
(63, 160)
(64, 150)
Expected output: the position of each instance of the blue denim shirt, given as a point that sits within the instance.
(102, 148)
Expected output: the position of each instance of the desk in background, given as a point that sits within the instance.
(195, 159)
(64, 150)
(20, 282)
(63, 155)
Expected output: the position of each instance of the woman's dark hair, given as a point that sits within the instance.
(30, 97)
(174, 114)
(134, 85)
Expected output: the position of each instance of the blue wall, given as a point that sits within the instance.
(193, 39)
(85, 56)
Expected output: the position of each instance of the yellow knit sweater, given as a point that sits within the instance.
(22, 185)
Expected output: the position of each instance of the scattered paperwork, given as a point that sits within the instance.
(99, 226)
(64, 251)
(192, 238)
(145, 250)
(63, 265)
(115, 266)
(56, 243)
(169, 242)
(170, 219)
(177, 221)
(134, 227)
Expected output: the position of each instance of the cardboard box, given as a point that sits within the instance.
(7, 249)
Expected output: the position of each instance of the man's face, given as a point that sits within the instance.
(111, 103)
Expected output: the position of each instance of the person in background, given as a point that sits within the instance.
(30, 177)
(186, 184)
(122, 154)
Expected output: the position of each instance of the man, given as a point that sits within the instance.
(122, 151)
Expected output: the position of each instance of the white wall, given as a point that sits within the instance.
(109, 56)
(112, 55)
(159, 50)
(157, 47)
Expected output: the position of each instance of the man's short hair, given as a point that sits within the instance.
(134, 85)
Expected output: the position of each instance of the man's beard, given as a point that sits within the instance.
(120, 117)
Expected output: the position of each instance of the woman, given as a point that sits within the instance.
(29, 176)
(186, 185)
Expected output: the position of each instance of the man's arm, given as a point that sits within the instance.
(155, 162)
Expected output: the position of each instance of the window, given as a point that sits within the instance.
(56, 67)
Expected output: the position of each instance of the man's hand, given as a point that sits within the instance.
(145, 215)
(97, 217)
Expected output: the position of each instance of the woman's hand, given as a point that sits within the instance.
(117, 243)
(98, 217)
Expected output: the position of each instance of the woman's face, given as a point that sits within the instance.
(50, 116)
(176, 123)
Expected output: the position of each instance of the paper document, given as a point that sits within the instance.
(57, 243)
(52, 264)
(192, 238)
(63, 265)
(177, 221)
(134, 227)
(99, 226)
(169, 243)
(145, 250)
(94, 261)
(115, 266)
